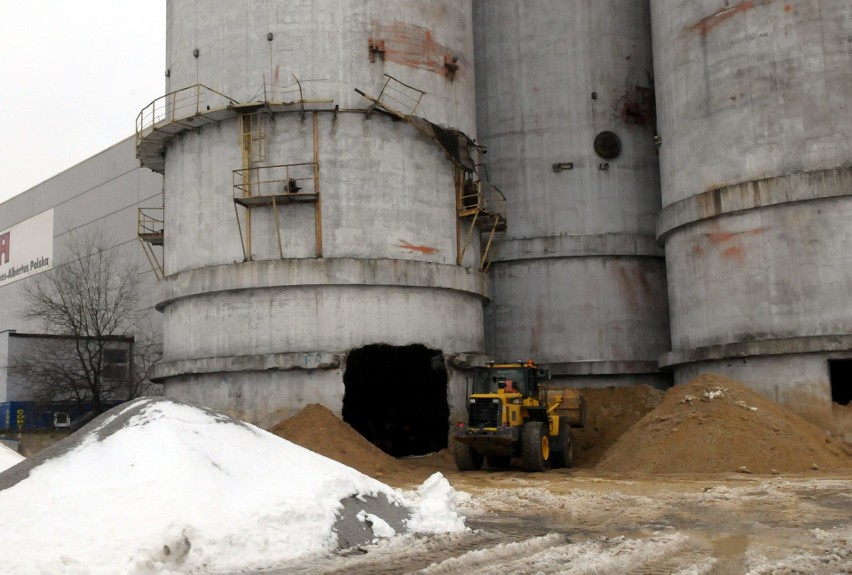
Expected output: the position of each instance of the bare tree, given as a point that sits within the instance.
(98, 350)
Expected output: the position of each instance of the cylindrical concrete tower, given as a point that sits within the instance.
(565, 106)
(756, 125)
(313, 245)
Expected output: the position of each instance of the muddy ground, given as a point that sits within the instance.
(656, 490)
(582, 522)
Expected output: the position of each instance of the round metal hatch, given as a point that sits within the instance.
(608, 145)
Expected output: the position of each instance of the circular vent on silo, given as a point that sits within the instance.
(607, 145)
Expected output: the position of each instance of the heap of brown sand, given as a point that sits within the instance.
(316, 428)
(610, 411)
(715, 424)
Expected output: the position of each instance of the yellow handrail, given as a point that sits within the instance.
(178, 105)
(275, 180)
(146, 223)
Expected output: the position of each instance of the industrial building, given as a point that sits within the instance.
(362, 200)
(104, 194)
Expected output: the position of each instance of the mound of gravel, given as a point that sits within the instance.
(715, 424)
(315, 427)
(610, 411)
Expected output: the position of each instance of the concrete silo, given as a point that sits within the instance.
(756, 126)
(314, 154)
(565, 106)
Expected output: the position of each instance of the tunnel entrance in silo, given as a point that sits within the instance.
(840, 372)
(396, 397)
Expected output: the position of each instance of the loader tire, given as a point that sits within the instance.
(535, 446)
(563, 451)
(466, 458)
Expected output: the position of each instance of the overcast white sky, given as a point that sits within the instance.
(75, 73)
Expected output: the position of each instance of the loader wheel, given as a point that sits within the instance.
(535, 446)
(466, 458)
(563, 452)
(499, 461)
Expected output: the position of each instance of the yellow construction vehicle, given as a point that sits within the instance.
(512, 413)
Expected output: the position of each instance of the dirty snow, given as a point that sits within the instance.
(162, 487)
(8, 458)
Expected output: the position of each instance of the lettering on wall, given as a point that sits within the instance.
(32, 252)
(4, 247)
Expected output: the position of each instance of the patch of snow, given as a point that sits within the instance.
(378, 525)
(715, 392)
(9, 457)
(163, 487)
(744, 405)
(436, 512)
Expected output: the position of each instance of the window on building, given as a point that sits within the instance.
(115, 364)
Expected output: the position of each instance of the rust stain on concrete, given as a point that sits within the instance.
(627, 288)
(422, 249)
(736, 253)
(705, 25)
(721, 237)
(411, 45)
(638, 106)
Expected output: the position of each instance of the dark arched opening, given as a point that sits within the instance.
(396, 397)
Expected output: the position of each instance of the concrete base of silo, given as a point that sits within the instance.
(261, 340)
(403, 399)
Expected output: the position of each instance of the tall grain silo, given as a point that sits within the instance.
(565, 106)
(315, 155)
(756, 126)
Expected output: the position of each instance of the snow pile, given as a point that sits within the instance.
(156, 486)
(436, 512)
(8, 457)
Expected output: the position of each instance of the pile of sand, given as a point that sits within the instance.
(610, 412)
(715, 424)
(316, 428)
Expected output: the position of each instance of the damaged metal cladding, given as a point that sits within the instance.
(756, 193)
(565, 105)
(312, 208)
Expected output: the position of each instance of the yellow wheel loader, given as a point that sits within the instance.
(513, 414)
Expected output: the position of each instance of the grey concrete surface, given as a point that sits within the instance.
(578, 278)
(389, 231)
(268, 397)
(752, 102)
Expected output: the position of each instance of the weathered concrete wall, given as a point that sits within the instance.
(750, 90)
(578, 310)
(387, 192)
(331, 317)
(269, 397)
(757, 189)
(325, 44)
(762, 274)
(265, 337)
(579, 278)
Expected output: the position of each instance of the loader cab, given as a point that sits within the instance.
(518, 377)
